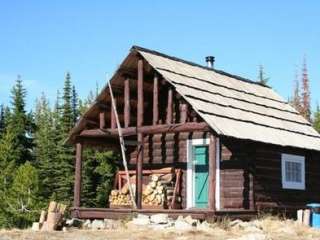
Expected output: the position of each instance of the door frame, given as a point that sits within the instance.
(191, 168)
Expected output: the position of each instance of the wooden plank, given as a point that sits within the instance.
(155, 118)
(169, 106)
(183, 112)
(212, 173)
(126, 102)
(78, 172)
(140, 111)
(157, 129)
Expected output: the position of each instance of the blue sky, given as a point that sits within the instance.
(41, 40)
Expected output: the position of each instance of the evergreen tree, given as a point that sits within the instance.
(261, 77)
(67, 116)
(305, 108)
(21, 124)
(2, 120)
(22, 200)
(75, 103)
(316, 119)
(46, 147)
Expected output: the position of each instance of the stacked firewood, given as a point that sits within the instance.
(158, 191)
(121, 197)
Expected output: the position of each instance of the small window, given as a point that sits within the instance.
(293, 171)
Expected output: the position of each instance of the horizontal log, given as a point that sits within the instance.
(163, 128)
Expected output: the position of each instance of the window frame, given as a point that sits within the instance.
(296, 159)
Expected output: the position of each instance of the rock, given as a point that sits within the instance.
(111, 224)
(204, 226)
(35, 226)
(235, 222)
(87, 224)
(191, 221)
(140, 221)
(162, 226)
(74, 222)
(182, 225)
(97, 224)
(142, 216)
(159, 218)
(64, 229)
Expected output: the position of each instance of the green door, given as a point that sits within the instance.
(200, 157)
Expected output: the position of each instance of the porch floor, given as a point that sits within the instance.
(201, 214)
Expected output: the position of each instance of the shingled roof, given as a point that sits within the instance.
(233, 106)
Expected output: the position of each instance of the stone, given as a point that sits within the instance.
(87, 224)
(142, 216)
(191, 221)
(182, 225)
(35, 226)
(204, 226)
(97, 224)
(74, 222)
(140, 221)
(111, 224)
(64, 229)
(159, 218)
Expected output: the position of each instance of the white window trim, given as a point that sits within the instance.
(190, 168)
(293, 158)
(217, 193)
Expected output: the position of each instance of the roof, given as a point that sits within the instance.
(232, 106)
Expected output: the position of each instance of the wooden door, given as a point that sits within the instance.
(201, 167)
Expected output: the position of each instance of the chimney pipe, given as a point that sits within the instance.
(210, 61)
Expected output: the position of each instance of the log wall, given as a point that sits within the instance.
(268, 180)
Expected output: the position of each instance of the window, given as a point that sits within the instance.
(293, 171)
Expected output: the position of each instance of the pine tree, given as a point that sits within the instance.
(2, 119)
(296, 99)
(20, 124)
(316, 119)
(305, 110)
(67, 116)
(46, 150)
(75, 103)
(261, 77)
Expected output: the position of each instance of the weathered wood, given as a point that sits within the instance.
(140, 111)
(183, 112)
(126, 102)
(102, 119)
(155, 99)
(78, 173)
(212, 173)
(113, 123)
(157, 129)
(169, 106)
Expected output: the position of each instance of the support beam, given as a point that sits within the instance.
(157, 129)
(169, 106)
(155, 99)
(126, 102)
(183, 112)
(113, 123)
(212, 173)
(140, 136)
(102, 119)
(77, 180)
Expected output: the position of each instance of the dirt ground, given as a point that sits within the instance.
(265, 229)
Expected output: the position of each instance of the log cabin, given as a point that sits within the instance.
(238, 146)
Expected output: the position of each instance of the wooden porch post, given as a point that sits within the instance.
(183, 112)
(170, 106)
(113, 123)
(102, 119)
(212, 173)
(77, 180)
(140, 135)
(126, 102)
(155, 99)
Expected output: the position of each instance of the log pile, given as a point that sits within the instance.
(158, 191)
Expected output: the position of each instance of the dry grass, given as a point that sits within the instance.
(264, 228)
